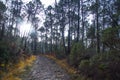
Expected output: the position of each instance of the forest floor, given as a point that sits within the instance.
(46, 69)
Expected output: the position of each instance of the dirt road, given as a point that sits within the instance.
(46, 69)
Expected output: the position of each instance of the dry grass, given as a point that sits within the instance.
(17, 69)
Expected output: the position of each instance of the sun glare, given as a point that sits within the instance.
(25, 28)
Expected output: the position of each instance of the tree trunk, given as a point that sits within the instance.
(97, 27)
(78, 28)
(51, 32)
(68, 52)
(2, 31)
(82, 21)
(103, 25)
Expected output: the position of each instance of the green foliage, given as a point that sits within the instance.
(60, 54)
(4, 53)
(77, 54)
(84, 66)
(89, 52)
(84, 63)
(9, 51)
(111, 38)
(102, 66)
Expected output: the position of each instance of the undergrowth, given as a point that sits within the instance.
(16, 70)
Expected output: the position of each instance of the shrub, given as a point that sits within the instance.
(77, 54)
(59, 52)
(102, 66)
(8, 53)
(4, 53)
(111, 37)
(84, 67)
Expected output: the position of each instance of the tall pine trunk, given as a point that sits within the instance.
(68, 51)
(82, 13)
(78, 27)
(97, 26)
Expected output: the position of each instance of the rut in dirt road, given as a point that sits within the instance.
(46, 69)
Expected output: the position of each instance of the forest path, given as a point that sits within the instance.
(46, 69)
